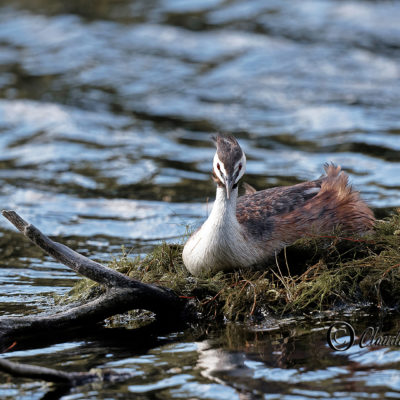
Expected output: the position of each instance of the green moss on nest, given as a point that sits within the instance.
(314, 273)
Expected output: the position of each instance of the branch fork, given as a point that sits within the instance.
(122, 293)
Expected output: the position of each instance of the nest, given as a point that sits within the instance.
(315, 273)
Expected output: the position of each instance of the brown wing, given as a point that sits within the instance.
(254, 210)
(278, 200)
(292, 211)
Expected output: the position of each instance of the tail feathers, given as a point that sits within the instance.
(337, 182)
(336, 205)
(332, 169)
(343, 204)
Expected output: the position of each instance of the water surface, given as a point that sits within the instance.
(106, 113)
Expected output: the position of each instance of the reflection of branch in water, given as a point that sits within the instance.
(122, 293)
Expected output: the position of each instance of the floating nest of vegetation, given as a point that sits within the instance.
(315, 273)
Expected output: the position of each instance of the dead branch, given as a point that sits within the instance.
(123, 293)
(77, 262)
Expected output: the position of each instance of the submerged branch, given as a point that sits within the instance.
(45, 374)
(57, 376)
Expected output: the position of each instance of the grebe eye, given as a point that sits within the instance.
(240, 167)
(219, 167)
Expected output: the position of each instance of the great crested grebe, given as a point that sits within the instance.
(248, 230)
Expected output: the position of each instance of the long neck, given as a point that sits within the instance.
(224, 209)
(218, 243)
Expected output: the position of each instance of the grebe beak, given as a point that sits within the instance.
(228, 186)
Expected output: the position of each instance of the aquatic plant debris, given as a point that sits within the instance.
(314, 274)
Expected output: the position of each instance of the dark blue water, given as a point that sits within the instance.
(106, 113)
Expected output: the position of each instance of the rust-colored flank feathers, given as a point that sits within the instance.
(248, 230)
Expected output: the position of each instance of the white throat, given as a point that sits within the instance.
(223, 213)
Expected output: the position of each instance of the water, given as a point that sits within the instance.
(106, 113)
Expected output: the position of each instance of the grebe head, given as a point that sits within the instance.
(229, 162)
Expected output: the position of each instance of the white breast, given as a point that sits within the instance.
(220, 243)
